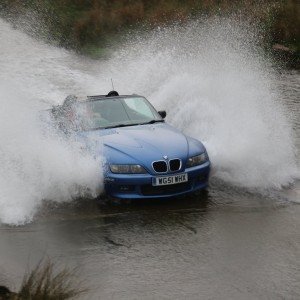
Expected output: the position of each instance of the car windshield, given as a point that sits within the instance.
(115, 112)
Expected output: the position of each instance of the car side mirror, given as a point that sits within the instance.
(162, 113)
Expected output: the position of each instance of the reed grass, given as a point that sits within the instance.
(45, 283)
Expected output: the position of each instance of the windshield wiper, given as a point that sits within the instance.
(121, 125)
(152, 122)
(118, 125)
(134, 124)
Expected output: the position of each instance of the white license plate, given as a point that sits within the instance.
(168, 180)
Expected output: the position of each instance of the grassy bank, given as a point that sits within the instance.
(98, 24)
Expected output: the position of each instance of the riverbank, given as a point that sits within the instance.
(93, 27)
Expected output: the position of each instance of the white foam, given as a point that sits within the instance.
(35, 165)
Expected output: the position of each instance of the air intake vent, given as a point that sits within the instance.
(175, 164)
(160, 166)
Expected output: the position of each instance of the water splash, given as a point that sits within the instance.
(210, 76)
(36, 165)
(217, 85)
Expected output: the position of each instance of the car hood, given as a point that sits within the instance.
(145, 143)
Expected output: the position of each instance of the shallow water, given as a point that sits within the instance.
(240, 240)
(224, 245)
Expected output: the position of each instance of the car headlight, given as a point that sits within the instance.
(127, 169)
(196, 160)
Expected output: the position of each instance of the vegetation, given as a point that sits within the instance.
(97, 24)
(43, 283)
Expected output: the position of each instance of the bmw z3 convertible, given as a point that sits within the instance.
(144, 156)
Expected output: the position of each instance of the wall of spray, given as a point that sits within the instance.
(210, 75)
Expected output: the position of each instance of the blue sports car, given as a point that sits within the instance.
(144, 156)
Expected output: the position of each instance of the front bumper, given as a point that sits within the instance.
(131, 186)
